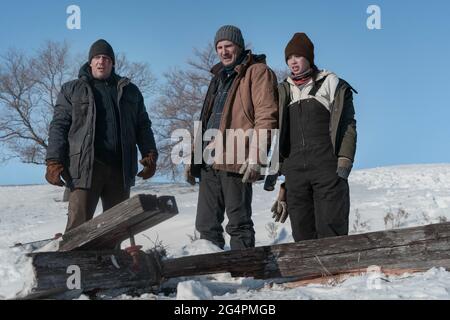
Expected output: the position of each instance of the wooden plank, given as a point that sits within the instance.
(418, 248)
(116, 224)
(103, 270)
(414, 249)
(341, 277)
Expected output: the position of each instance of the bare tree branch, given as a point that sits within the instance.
(282, 73)
(180, 102)
(18, 99)
(138, 72)
(29, 87)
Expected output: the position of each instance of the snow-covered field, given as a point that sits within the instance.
(382, 198)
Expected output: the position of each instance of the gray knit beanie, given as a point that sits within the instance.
(230, 33)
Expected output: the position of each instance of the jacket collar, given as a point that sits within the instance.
(317, 76)
(243, 66)
(86, 75)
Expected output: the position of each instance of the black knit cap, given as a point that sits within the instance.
(230, 33)
(102, 47)
(300, 45)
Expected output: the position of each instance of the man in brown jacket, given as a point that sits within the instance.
(242, 96)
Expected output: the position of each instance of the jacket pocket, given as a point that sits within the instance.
(80, 110)
(134, 162)
(80, 107)
(247, 113)
(130, 101)
(74, 165)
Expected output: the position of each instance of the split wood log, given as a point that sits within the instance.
(109, 229)
(413, 249)
(59, 273)
(418, 248)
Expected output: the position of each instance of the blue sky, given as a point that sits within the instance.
(401, 71)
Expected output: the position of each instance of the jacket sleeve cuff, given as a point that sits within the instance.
(344, 162)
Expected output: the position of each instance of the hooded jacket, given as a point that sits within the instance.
(337, 96)
(251, 103)
(73, 129)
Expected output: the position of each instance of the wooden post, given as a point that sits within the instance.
(415, 249)
(418, 248)
(115, 225)
(56, 272)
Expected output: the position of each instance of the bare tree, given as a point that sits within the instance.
(51, 68)
(20, 107)
(202, 64)
(180, 102)
(282, 74)
(29, 86)
(138, 72)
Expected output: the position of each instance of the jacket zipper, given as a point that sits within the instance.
(92, 132)
(115, 117)
(225, 110)
(302, 133)
(122, 83)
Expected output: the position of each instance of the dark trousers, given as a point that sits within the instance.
(107, 185)
(221, 191)
(318, 199)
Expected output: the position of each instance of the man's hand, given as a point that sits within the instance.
(149, 163)
(251, 172)
(55, 171)
(279, 208)
(187, 175)
(344, 167)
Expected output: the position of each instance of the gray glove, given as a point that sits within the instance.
(251, 172)
(344, 167)
(187, 175)
(279, 208)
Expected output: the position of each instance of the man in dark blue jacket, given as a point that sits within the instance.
(98, 121)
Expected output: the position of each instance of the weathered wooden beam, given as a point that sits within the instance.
(57, 273)
(117, 224)
(341, 277)
(418, 248)
(414, 249)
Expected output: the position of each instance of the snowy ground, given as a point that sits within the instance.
(382, 198)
